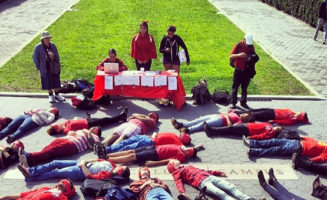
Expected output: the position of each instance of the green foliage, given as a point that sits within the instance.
(84, 36)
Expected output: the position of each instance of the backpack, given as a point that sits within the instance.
(222, 97)
(289, 134)
(119, 193)
(96, 188)
(83, 102)
(201, 94)
(250, 65)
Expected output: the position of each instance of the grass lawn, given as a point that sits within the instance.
(84, 36)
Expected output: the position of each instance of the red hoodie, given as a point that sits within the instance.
(315, 149)
(284, 117)
(192, 176)
(42, 193)
(143, 47)
(74, 125)
(260, 131)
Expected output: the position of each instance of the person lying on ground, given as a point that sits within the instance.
(4, 121)
(299, 161)
(74, 142)
(200, 178)
(137, 124)
(155, 155)
(255, 131)
(277, 116)
(215, 120)
(277, 191)
(97, 169)
(112, 58)
(80, 123)
(149, 188)
(27, 122)
(9, 154)
(63, 190)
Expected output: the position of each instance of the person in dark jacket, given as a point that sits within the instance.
(169, 46)
(322, 21)
(299, 161)
(9, 154)
(112, 58)
(45, 56)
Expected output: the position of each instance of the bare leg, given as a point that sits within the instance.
(121, 153)
(176, 68)
(123, 159)
(122, 137)
(168, 66)
(111, 139)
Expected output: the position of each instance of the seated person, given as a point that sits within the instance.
(280, 193)
(256, 131)
(149, 188)
(154, 155)
(200, 178)
(215, 120)
(9, 155)
(78, 124)
(112, 58)
(278, 116)
(307, 147)
(136, 124)
(77, 171)
(63, 190)
(4, 121)
(30, 120)
(72, 143)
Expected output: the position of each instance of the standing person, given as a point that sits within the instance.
(241, 76)
(143, 48)
(169, 46)
(322, 21)
(112, 58)
(47, 61)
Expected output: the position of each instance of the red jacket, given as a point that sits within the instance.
(315, 149)
(284, 117)
(261, 131)
(192, 176)
(122, 66)
(43, 193)
(74, 125)
(143, 47)
(240, 62)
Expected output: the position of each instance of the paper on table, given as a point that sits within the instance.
(108, 82)
(147, 81)
(160, 80)
(172, 83)
(182, 56)
(119, 80)
(131, 80)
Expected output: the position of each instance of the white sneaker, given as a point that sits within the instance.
(60, 98)
(51, 99)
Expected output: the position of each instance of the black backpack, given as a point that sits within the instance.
(222, 97)
(201, 94)
(96, 188)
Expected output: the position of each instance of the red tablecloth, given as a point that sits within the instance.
(176, 96)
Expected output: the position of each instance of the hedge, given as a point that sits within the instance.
(306, 10)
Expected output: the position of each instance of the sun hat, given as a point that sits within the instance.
(45, 34)
(248, 39)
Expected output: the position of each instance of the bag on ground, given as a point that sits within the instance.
(201, 94)
(222, 97)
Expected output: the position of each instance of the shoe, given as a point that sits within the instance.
(246, 142)
(51, 99)
(124, 114)
(207, 129)
(244, 105)
(295, 160)
(176, 124)
(60, 98)
(261, 178)
(163, 102)
(9, 139)
(272, 179)
(315, 39)
(23, 160)
(233, 106)
(184, 130)
(24, 171)
(100, 150)
(324, 42)
(249, 152)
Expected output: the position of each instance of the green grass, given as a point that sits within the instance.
(84, 36)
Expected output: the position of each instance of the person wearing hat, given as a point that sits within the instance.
(149, 188)
(9, 154)
(47, 61)
(27, 122)
(143, 47)
(241, 76)
(322, 20)
(169, 46)
(63, 190)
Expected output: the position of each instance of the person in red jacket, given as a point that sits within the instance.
(112, 58)
(255, 131)
(143, 48)
(63, 190)
(77, 171)
(278, 116)
(200, 178)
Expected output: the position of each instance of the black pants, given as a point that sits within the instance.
(319, 168)
(146, 65)
(238, 129)
(240, 78)
(279, 192)
(104, 121)
(260, 114)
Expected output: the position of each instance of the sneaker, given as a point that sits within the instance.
(164, 102)
(272, 179)
(23, 160)
(124, 115)
(60, 98)
(244, 105)
(51, 99)
(261, 178)
(9, 139)
(177, 125)
(324, 42)
(295, 160)
(246, 142)
(24, 171)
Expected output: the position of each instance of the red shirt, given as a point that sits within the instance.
(143, 47)
(75, 124)
(122, 66)
(260, 131)
(143, 126)
(233, 117)
(192, 176)
(284, 117)
(170, 151)
(167, 138)
(315, 149)
(240, 62)
(43, 193)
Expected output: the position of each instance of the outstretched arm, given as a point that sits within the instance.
(151, 163)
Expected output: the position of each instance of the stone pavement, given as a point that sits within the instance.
(228, 154)
(22, 20)
(285, 38)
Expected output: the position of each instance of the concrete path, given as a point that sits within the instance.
(22, 20)
(285, 38)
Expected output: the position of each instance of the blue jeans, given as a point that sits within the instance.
(131, 143)
(57, 169)
(18, 127)
(273, 147)
(218, 187)
(213, 120)
(158, 193)
(280, 193)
